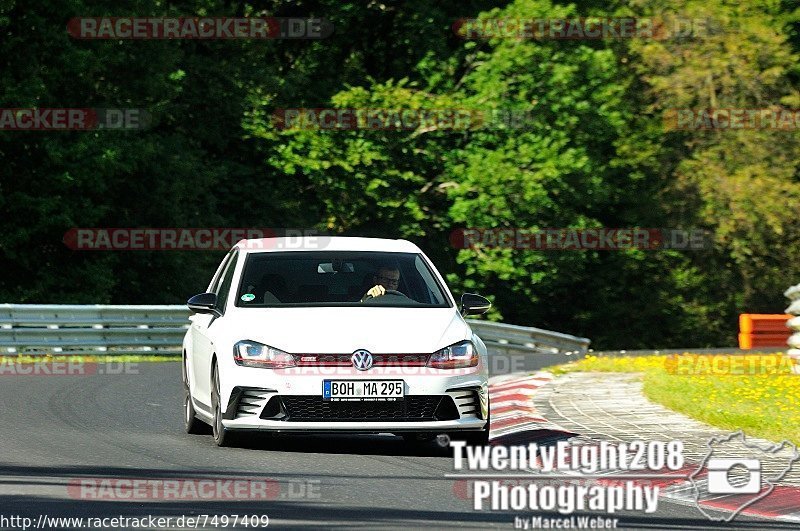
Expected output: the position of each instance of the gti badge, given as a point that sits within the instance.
(362, 360)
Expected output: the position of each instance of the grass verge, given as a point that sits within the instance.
(755, 393)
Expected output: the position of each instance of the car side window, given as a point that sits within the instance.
(225, 287)
(425, 273)
(215, 282)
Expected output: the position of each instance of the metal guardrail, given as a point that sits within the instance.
(62, 329)
(513, 339)
(793, 294)
(728, 351)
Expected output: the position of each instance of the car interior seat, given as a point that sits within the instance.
(273, 288)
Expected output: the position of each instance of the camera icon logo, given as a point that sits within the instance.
(734, 476)
(739, 472)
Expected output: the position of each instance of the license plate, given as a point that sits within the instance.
(357, 390)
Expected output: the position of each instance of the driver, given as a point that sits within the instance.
(387, 277)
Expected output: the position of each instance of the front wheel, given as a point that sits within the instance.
(222, 437)
(191, 423)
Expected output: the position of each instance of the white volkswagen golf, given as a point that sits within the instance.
(335, 334)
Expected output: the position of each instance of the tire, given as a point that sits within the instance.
(191, 423)
(222, 436)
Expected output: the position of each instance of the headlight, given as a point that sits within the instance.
(456, 356)
(252, 354)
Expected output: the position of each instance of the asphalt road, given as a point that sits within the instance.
(57, 430)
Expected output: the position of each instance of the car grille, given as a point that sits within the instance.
(413, 408)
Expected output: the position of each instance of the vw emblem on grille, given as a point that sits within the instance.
(362, 360)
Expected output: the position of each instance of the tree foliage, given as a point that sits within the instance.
(593, 152)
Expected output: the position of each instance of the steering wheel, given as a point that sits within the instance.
(395, 292)
(389, 292)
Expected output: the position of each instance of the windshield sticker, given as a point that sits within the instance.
(247, 297)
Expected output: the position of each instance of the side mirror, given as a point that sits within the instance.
(474, 304)
(203, 303)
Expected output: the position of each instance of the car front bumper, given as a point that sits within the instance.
(290, 400)
(356, 427)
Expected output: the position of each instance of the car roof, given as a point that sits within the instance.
(326, 243)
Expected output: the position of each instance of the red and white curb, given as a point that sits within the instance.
(513, 412)
(783, 503)
(511, 404)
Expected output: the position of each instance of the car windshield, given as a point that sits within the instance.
(340, 278)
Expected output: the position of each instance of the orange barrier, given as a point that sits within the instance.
(763, 330)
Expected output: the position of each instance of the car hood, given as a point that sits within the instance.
(344, 330)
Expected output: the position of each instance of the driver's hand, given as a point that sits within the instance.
(376, 291)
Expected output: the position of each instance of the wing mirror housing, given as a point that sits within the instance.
(474, 304)
(203, 303)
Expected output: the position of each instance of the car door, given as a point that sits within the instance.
(203, 326)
